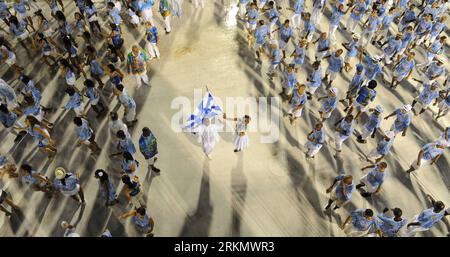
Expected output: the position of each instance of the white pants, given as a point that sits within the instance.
(199, 3)
(373, 155)
(331, 74)
(272, 27)
(319, 55)
(383, 33)
(130, 115)
(167, 22)
(141, 77)
(351, 24)
(313, 149)
(420, 39)
(147, 14)
(242, 10)
(338, 140)
(422, 162)
(311, 89)
(152, 49)
(79, 110)
(152, 160)
(387, 58)
(393, 129)
(366, 37)
(296, 20)
(296, 113)
(282, 44)
(250, 27)
(332, 31)
(316, 15)
(419, 105)
(325, 115)
(12, 104)
(430, 58)
(412, 230)
(351, 231)
(369, 188)
(138, 199)
(365, 133)
(432, 39)
(273, 67)
(443, 107)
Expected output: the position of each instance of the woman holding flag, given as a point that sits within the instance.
(200, 123)
(208, 136)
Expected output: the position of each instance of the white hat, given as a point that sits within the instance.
(379, 108)
(356, 35)
(334, 90)
(60, 173)
(390, 134)
(407, 107)
(64, 224)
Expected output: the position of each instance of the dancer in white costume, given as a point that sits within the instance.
(241, 138)
(208, 136)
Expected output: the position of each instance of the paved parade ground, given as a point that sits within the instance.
(270, 189)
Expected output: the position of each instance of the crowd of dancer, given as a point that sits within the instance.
(392, 34)
(386, 38)
(68, 44)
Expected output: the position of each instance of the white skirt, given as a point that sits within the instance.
(241, 142)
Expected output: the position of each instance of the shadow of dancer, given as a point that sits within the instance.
(238, 194)
(199, 223)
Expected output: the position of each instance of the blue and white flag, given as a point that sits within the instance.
(207, 108)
